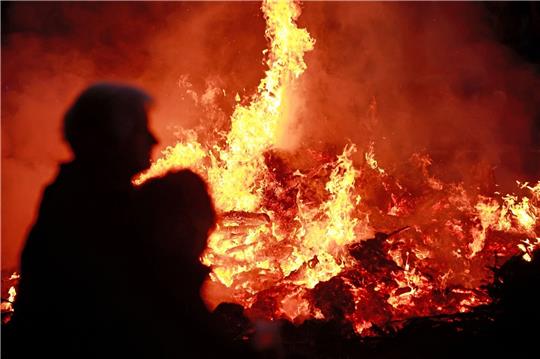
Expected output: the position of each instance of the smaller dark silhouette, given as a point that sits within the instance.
(516, 294)
(177, 215)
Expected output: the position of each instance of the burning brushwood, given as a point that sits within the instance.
(243, 219)
(373, 254)
(288, 231)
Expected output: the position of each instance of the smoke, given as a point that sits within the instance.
(410, 77)
(421, 77)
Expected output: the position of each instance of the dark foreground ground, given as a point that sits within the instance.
(509, 327)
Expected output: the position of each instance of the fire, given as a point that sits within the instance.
(7, 305)
(12, 294)
(181, 155)
(322, 238)
(528, 246)
(371, 161)
(291, 240)
(237, 171)
(514, 214)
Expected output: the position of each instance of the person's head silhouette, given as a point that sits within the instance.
(181, 213)
(107, 127)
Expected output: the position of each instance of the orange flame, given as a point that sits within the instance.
(7, 306)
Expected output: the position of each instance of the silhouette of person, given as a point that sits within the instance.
(80, 294)
(177, 215)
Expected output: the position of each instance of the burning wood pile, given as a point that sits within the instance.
(309, 235)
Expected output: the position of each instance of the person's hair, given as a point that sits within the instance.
(104, 113)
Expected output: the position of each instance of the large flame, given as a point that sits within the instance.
(291, 241)
(237, 172)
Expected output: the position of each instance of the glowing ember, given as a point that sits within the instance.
(528, 246)
(12, 294)
(7, 305)
(343, 238)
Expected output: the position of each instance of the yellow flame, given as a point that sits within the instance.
(12, 294)
(371, 161)
(236, 173)
(8, 305)
(512, 215)
(522, 211)
(528, 246)
(487, 211)
(325, 237)
(181, 155)
(254, 128)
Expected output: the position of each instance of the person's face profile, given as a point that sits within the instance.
(138, 148)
